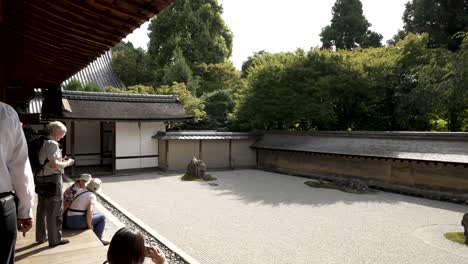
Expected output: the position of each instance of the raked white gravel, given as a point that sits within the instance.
(261, 217)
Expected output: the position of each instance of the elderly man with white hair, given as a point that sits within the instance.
(49, 187)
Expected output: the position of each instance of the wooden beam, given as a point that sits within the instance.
(73, 138)
(3, 55)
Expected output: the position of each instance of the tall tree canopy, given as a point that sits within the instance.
(349, 28)
(131, 64)
(440, 18)
(196, 28)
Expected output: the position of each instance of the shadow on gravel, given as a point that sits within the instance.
(256, 186)
(252, 186)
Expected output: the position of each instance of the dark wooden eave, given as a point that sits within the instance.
(45, 42)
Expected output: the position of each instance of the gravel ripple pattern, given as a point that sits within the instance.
(171, 257)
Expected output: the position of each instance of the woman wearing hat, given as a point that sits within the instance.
(81, 213)
(70, 192)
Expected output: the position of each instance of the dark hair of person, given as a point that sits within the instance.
(126, 247)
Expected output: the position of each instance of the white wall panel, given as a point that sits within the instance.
(122, 164)
(149, 146)
(134, 139)
(127, 139)
(149, 162)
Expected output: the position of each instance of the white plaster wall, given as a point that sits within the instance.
(122, 164)
(127, 139)
(149, 162)
(134, 139)
(149, 146)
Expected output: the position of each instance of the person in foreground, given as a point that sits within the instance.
(15, 176)
(81, 214)
(128, 247)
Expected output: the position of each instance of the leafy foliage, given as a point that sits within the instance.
(131, 65)
(405, 86)
(74, 85)
(199, 32)
(349, 28)
(177, 70)
(92, 87)
(442, 19)
(218, 105)
(216, 77)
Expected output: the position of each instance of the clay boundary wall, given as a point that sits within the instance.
(433, 179)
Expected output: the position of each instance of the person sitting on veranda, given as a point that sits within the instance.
(128, 247)
(82, 215)
(70, 192)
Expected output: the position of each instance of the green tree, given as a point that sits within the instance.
(282, 93)
(218, 105)
(217, 76)
(250, 62)
(442, 19)
(194, 26)
(177, 70)
(92, 87)
(74, 85)
(349, 28)
(400, 35)
(132, 65)
(444, 79)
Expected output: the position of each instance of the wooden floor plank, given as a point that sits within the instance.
(84, 247)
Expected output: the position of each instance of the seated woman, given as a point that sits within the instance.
(81, 213)
(128, 247)
(70, 192)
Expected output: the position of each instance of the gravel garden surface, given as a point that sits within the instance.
(252, 216)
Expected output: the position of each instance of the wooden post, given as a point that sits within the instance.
(200, 150)
(73, 146)
(3, 55)
(101, 132)
(167, 155)
(114, 143)
(230, 154)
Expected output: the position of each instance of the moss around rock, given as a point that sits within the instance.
(348, 186)
(188, 177)
(457, 237)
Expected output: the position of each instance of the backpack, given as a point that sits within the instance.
(34, 146)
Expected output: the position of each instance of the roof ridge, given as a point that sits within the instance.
(103, 96)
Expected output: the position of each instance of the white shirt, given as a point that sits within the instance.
(82, 201)
(15, 170)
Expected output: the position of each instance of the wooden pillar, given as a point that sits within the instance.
(3, 55)
(230, 154)
(167, 155)
(101, 134)
(200, 149)
(114, 148)
(73, 146)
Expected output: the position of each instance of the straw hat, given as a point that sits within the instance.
(94, 185)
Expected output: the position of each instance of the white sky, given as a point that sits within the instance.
(275, 26)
